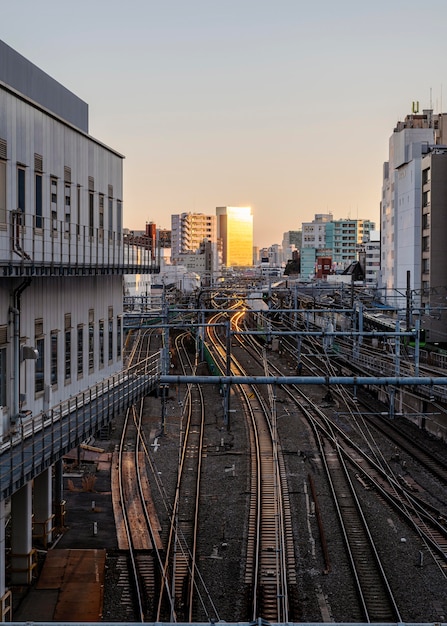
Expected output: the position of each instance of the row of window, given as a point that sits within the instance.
(72, 199)
(85, 341)
(64, 349)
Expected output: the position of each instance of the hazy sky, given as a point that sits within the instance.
(283, 105)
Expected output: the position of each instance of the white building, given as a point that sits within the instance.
(401, 206)
(372, 259)
(189, 234)
(314, 233)
(62, 259)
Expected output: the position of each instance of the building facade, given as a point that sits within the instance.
(372, 259)
(344, 238)
(340, 240)
(63, 254)
(433, 292)
(195, 235)
(401, 205)
(189, 230)
(314, 233)
(235, 230)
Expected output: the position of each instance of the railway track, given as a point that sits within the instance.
(375, 597)
(328, 363)
(427, 522)
(138, 528)
(270, 564)
(191, 598)
(265, 562)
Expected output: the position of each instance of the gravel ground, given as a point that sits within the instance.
(420, 586)
(418, 582)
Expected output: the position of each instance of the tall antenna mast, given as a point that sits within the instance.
(431, 101)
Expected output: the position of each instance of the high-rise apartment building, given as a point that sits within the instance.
(195, 234)
(340, 240)
(235, 230)
(402, 197)
(190, 230)
(343, 237)
(433, 291)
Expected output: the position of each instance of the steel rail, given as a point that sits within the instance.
(270, 583)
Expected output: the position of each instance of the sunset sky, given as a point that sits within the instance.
(282, 105)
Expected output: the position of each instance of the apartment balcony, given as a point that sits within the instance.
(37, 246)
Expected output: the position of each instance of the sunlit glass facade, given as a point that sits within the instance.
(235, 228)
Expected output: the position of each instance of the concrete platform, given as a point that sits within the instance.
(69, 589)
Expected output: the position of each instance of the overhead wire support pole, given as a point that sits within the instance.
(228, 373)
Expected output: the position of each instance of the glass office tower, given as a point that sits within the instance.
(235, 229)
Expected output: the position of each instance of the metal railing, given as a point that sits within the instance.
(38, 243)
(36, 442)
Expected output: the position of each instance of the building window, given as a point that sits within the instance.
(3, 370)
(38, 199)
(78, 208)
(425, 266)
(425, 221)
(91, 206)
(91, 340)
(80, 342)
(119, 322)
(101, 211)
(67, 195)
(101, 343)
(39, 342)
(53, 199)
(40, 365)
(110, 334)
(119, 216)
(54, 359)
(426, 175)
(67, 348)
(91, 217)
(21, 189)
(110, 224)
(2, 192)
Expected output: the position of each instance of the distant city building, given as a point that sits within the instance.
(164, 236)
(308, 263)
(314, 233)
(340, 240)
(291, 243)
(276, 255)
(235, 229)
(292, 238)
(195, 235)
(189, 230)
(372, 258)
(344, 237)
